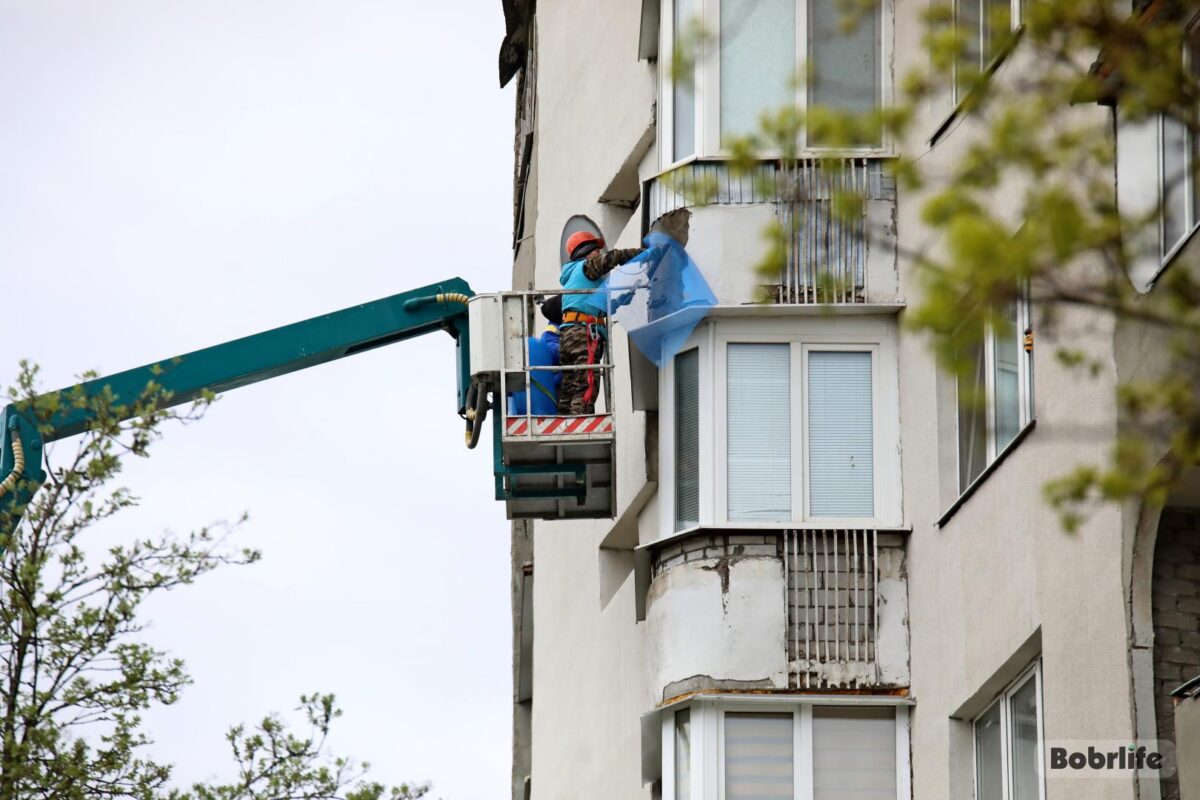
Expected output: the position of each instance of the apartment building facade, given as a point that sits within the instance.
(827, 577)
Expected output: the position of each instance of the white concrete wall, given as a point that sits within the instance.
(594, 101)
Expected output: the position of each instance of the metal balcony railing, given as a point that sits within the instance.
(834, 602)
(823, 210)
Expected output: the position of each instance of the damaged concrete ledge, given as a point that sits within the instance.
(643, 561)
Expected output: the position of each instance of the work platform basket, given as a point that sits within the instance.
(547, 466)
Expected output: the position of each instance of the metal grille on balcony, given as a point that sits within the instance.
(833, 607)
(825, 252)
(822, 210)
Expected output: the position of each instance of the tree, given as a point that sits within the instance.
(1030, 102)
(76, 674)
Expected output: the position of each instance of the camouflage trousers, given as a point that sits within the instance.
(573, 395)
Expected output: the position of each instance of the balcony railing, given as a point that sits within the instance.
(846, 609)
(824, 207)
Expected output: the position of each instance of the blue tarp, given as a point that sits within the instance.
(659, 298)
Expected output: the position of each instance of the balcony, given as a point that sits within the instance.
(828, 257)
(740, 610)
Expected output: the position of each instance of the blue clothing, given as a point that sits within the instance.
(572, 277)
(543, 392)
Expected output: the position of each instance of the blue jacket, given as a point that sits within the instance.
(574, 275)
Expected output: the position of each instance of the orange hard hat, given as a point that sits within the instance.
(580, 238)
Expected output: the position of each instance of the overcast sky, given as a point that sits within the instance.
(176, 173)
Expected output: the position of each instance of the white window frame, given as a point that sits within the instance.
(707, 766)
(1024, 392)
(1015, 16)
(707, 86)
(804, 334)
(1033, 673)
(1166, 254)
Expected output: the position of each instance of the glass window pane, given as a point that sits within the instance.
(997, 28)
(844, 63)
(687, 439)
(758, 62)
(841, 436)
(989, 773)
(1193, 63)
(972, 417)
(1022, 713)
(758, 756)
(684, 88)
(1174, 185)
(759, 431)
(1007, 348)
(683, 754)
(968, 18)
(854, 753)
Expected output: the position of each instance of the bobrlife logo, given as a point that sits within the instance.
(1110, 759)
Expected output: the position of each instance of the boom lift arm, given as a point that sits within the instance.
(241, 362)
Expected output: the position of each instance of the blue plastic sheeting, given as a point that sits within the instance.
(659, 298)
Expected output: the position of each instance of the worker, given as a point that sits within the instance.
(543, 352)
(583, 331)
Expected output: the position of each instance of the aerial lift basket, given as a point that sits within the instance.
(547, 466)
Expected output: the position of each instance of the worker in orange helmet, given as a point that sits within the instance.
(582, 333)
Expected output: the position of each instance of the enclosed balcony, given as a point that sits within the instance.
(835, 219)
(814, 609)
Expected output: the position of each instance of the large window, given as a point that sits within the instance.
(797, 423)
(778, 751)
(995, 392)
(751, 63)
(829, 434)
(1008, 743)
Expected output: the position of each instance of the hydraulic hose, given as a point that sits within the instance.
(441, 297)
(10, 482)
(476, 412)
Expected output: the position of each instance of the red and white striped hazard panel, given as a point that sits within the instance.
(559, 426)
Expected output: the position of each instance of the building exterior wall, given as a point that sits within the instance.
(991, 584)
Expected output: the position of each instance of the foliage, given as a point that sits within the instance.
(75, 673)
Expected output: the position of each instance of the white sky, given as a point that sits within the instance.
(177, 173)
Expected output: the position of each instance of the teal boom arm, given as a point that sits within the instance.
(241, 362)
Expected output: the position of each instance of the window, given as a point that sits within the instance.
(687, 439)
(797, 423)
(750, 67)
(758, 756)
(995, 392)
(831, 435)
(1008, 743)
(1179, 190)
(780, 750)
(986, 28)
(759, 431)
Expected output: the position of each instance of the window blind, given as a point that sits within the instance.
(841, 431)
(758, 756)
(759, 431)
(687, 439)
(854, 753)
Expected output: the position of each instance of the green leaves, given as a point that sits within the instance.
(75, 671)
